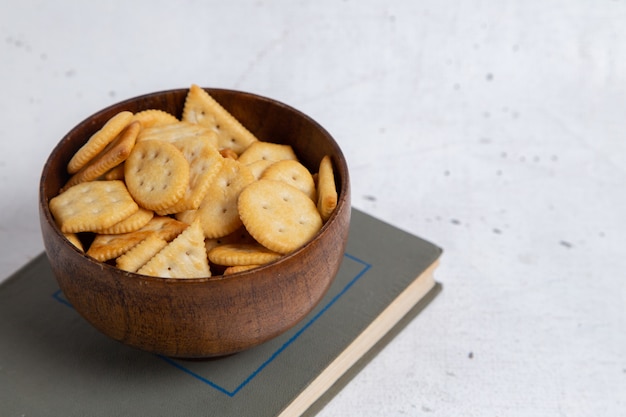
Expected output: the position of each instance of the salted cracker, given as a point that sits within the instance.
(238, 268)
(242, 254)
(326, 189)
(183, 257)
(131, 223)
(164, 227)
(111, 156)
(267, 151)
(279, 216)
(293, 173)
(156, 174)
(92, 205)
(204, 163)
(154, 117)
(173, 132)
(218, 212)
(137, 256)
(99, 140)
(106, 247)
(204, 110)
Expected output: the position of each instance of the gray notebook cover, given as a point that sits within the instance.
(53, 363)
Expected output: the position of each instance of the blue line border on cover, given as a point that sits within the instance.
(231, 393)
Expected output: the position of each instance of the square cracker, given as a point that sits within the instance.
(91, 206)
(202, 109)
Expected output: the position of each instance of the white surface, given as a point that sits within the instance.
(492, 128)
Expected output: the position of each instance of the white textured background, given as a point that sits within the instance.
(495, 129)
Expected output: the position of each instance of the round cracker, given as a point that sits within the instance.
(268, 151)
(156, 174)
(279, 216)
(218, 212)
(293, 173)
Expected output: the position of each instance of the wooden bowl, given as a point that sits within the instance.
(202, 317)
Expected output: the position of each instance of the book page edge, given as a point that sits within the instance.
(390, 316)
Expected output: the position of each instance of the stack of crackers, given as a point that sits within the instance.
(189, 198)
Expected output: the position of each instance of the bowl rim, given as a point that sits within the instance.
(341, 165)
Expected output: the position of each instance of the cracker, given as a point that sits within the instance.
(74, 240)
(218, 212)
(105, 247)
(183, 257)
(115, 173)
(239, 236)
(113, 155)
(91, 206)
(229, 153)
(99, 140)
(267, 151)
(326, 189)
(204, 163)
(164, 227)
(176, 131)
(279, 216)
(137, 256)
(259, 167)
(133, 222)
(154, 117)
(156, 174)
(202, 109)
(293, 173)
(242, 254)
(238, 268)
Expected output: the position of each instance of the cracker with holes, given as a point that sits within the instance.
(106, 247)
(164, 227)
(157, 174)
(154, 117)
(112, 156)
(267, 151)
(204, 163)
(137, 256)
(202, 109)
(130, 224)
(279, 216)
(259, 167)
(293, 173)
(218, 212)
(93, 205)
(99, 140)
(326, 189)
(176, 131)
(183, 257)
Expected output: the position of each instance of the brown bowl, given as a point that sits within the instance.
(202, 317)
